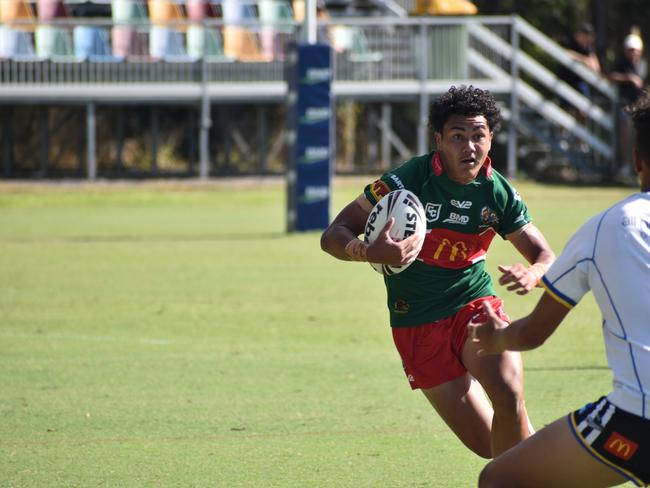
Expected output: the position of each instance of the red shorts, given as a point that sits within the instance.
(431, 353)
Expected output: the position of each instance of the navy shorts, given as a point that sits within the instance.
(614, 437)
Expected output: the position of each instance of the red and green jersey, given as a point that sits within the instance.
(461, 222)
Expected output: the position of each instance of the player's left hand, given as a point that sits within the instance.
(518, 277)
(487, 334)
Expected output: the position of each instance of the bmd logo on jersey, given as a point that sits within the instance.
(456, 218)
(620, 446)
(432, 211)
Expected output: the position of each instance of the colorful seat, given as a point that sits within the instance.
(126, 12)
(167, 44)
(276, 17)
(54, 43)
(239, 40)
(164, 12)
(51, 9)
(16, 10)
(91, 43)
(206, 42)
(129, 33)
(199, 9)
(16, 44)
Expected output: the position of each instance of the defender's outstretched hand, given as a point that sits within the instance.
(386, 250)
(488, 334)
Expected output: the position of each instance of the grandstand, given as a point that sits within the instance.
(75, 61)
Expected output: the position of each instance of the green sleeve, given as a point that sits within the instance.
(515, 211)
(408, 175)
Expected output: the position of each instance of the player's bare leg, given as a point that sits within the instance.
(550, 458)
(462, 404)
(502, 379)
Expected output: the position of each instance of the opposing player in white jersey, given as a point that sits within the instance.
(607, 442)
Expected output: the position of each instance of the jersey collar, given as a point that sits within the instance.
(438, 169)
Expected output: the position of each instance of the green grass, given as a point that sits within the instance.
(174, 335)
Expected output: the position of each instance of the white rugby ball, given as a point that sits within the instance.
(408, 212)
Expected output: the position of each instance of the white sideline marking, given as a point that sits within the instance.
(88, 338)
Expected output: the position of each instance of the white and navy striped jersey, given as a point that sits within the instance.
(610, 255)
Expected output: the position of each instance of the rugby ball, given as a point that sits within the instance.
(408, 212)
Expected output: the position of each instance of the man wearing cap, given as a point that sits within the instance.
(629, 71)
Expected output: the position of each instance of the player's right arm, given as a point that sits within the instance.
(496, 335)
(341, 239)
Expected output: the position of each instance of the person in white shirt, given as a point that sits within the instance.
(607, 442)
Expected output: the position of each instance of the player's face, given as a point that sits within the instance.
(463, 145)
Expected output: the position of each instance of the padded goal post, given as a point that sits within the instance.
(309, 140)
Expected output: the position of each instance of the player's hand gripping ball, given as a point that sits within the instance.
(408, 212)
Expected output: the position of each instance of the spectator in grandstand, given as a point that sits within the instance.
(630, 70)
(467, 203)
(581, 48)
(629, 73)
(607, 442)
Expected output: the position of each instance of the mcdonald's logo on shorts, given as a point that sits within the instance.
(620, 446)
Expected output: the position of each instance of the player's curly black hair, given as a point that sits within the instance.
(640, 113)
(464, 100)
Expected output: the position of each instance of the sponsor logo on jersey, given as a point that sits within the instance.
(455, 218)
(643, 226)
(451, 249)
(517, 195)
(620, 446)
(396, 180)
(379, 189)
(457, 249)
(489, 218)
(461, 204)
(401, 306)
(432, 211)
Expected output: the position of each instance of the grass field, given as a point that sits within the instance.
(173, 335)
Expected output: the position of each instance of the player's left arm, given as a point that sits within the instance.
(532, 245)
(495, 335)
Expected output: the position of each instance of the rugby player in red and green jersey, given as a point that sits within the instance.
(466, 204)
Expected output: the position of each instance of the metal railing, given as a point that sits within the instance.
(382, 59)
